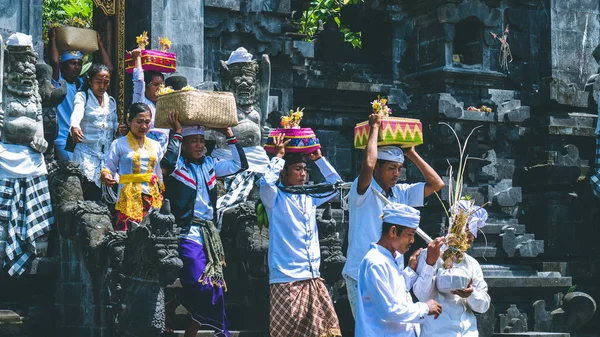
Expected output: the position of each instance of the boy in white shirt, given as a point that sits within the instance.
(300, 302)
(380, 170)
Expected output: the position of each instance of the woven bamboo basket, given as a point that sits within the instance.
(73, 38)
(211, 109)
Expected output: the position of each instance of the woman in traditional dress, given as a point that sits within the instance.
(94, 126)
(145, 88)
(460, 305)
(136, 158)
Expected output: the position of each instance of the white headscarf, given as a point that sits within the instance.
(390, 153)
(239, 55)
(192, 130)
(400, 214)
(477, 219)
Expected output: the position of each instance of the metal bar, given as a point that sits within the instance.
(419, 231)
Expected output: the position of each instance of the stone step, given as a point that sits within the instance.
(522, 276)
(11, 324)
(483, 251)
(207, 333)
(496, 228)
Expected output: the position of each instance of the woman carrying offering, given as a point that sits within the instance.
(94, 125)
(136, 158)
(145, 88)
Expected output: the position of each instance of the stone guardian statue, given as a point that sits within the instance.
(25, 207)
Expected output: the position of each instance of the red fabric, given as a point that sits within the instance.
(123, 220)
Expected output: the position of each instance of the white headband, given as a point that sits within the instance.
(390, 153)
(402, 215)
(192, 130)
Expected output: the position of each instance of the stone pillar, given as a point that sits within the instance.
(182, 21)
(23, 16)
(574, 33)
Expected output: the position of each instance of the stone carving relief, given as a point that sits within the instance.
(22, 119)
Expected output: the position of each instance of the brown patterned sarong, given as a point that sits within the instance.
(302, 309)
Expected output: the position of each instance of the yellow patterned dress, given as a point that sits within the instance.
(137, 170)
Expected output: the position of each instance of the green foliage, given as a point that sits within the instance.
(320, 11)
(572, 288)
(76, 13)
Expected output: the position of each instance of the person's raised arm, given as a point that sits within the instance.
(424, 286)
(238, 163)
(268, 188)
(433, 182)
(366, 171)
(327, 170)
(139, 86)
(171, 156)
(104, 54)
(54, 57)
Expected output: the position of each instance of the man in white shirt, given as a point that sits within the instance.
(460, 304)
(300, 302)
(380, 170)
(384, 306)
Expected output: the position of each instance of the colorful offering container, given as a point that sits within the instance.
(302, 140)
(154, 60)
(403, 132)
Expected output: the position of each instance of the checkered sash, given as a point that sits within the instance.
(26, 213)
(238, 188)
(302, 308)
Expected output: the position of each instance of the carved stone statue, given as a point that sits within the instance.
(22, 122)
(249, 80)
(151, 262)
(135, 265)
(22, 166)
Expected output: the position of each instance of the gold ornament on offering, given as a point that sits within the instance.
(162, 90)
(142, 40)
(164, 43)
(458, 215)
(292, 120)
(380, 106)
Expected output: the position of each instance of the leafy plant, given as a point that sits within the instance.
(320, 11)
(56, 13)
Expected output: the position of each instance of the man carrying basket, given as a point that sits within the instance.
(191, 187)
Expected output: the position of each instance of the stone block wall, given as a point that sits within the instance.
(22, 16)
(574, 33)
(81, 308)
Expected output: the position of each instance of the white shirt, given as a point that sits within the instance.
(97, 123)
(122, 159)
(365, 223)
(384, 307)
(294, 250)
(139, 96)
(457, 318)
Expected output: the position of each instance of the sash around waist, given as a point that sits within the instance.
(136, 178)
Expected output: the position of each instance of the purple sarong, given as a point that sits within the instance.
(204, 301)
